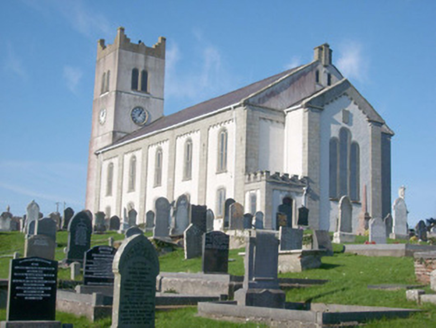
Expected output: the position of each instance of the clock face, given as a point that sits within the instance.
(139, 115)
(102, 116)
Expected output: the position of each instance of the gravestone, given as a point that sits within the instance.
(303, 216)
(32, 290)
(75, 270)
(215, 257)
(248, 221)
(421, 231)
(132, 216)
(97, 269)
(32, 214)
(198, 216)
(193, 240)
(46, 227)
(321, 240)
(258, 221)
(5, 221)
(68, 215)
(227, 203)
(114, 223)
(31, 228)
(79, 236)
(40, 246)
(133, 231)
(399, 219)
(99, 222)
(181, 215)
(290, 238)
(162, 223)
(261, 285)
(56, 217)
(16, 223)
(236, 217)
(377, 231)
(286, 209)
(345, 215)
(135, 267)
(149, 221)
(210, 217)
(282, 220)
(388, 223)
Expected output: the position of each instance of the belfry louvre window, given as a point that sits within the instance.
(222, 151)
(135, 79)
(144, 81)
(109, 179)
(158, 168)
(187, 165)
(132, 173)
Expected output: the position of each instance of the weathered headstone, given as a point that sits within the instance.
(149, 221)
(364, 217)
(162, 224)
(5, 221)
(79, 236)
(32, 214)
(421, 230)
(99, 222)
(227, 203)
(286, 209)
(258, 221)
(56, 217)
(32, 290)
(132, 216)
(31, 228)
(388, 223)
(16, 223)
(248, 221)
(40, 246)
(181, 215)
(135, 267)
(133, 231)
(345, 215)
(75, 270)
(290, 238)
(236, 217)
(97, 269)
(68, 215)
(114, 223)
(193, 239)
(210, 217)
(46, 227)
(215, 252)
(303, 216)
(321, 240)
(198, 216)
(377, 231)
(399, 217)
(282, 220)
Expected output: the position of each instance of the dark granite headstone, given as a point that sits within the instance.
(290, 239)
(286, 209)
(79, 236)
(421, 230)
(97, 268)
(149, 221)
(215, 252)
(31, 228)
(133, 231)
(321, 240)
(15, 224)
(181, 215)
(68, 214)
(248, 221)
(198, 216)
(303, 216)
(162, 218)
(282, 220)
(228, 202)
(132, 217)
(40, 246)
(209, 220)
(99, 222)
(46, 227)
(258, 221)
(56, 217)
(114, 223)
(193, 239)
(32, 290)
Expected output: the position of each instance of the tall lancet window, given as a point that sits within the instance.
(144, 81)
(132, 173)
(354, 171)
(333, 168)
(158, 168)
(222, 151)
(109, 179)
(187, 165)
(108, 79)
(220, 200)
(103, 83)
(344, 144)
(135, 79)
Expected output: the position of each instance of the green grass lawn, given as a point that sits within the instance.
(348, 275)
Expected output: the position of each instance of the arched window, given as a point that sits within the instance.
(344, 142)
(354, 171)
(329, 79)
(333, 168)
(158, 168)
(144, 81)
(108, 78)
(135, 79)
(187, 165)
(253, 203)
(109, 179)
(317, 76)
(103, 83)
(220, 201)
(132, 173)
(222, 151)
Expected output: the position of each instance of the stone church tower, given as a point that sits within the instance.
(128, 94)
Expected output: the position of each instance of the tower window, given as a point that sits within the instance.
(103, 83)
(222, 151)
(253, 203)
(317, 76)
(144, 80)
(135, 79)
(158, 168)
(132, 174)
(329, 79)
(220, 200)
(109, 179)
(108, 78)
(187, 167)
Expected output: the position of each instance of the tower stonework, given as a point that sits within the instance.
(128, 94)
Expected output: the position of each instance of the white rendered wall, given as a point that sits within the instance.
(247, 204)
(271, 135)
(293, 161)
(181, 185)
(216, 180)
(111, 200)
(131, 196)
(153, 192)
(331, 123)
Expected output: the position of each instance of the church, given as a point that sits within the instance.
(303, 137)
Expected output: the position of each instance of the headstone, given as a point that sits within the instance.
(258, 221)
(421, 230)
(149, 221)
(32, 213)
(114, 223)
(215, 252)
(377, 231)
(236, 217)
(227, 203)
(15, 223)
(132, 216)
(248, 221)
(97, 269)
(399, 218)
(210, 217)
(31, 228)
(282, 220)
(99, 222)
(286, 209)
(321, 240)
(198, 216)
(181, 215)
(68, 215)
(32, 290)
(75, 270)
(79, 236)
(56, 217)
(193, 239)
(135, 267)
(388, 223)
(5, 221)
(162, 224)
(364, 216)
(46, 227)
(40, 246)
(345, 215)
(110, 241)
(133, 231)
(303, 216)
(23, 223)
(290, 238)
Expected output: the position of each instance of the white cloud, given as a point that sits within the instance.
(352, 62)
(13, 63)
(294, 62)
(72, 76)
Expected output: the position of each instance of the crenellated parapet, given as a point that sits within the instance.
(276, 177)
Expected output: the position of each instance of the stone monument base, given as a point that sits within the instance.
(270, 298)
(340, 237)
(398, 236)
(300, 260)
(30, 324)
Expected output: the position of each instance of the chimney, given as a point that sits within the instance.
(323, 53)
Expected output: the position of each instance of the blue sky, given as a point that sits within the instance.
(387, 49)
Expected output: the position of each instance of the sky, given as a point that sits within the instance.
(387, 49)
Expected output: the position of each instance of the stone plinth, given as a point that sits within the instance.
(271, 298)
(300, 260)
(340, 237)
(398, 236)
(30, 324)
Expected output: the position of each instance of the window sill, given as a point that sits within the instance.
(221, 171)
